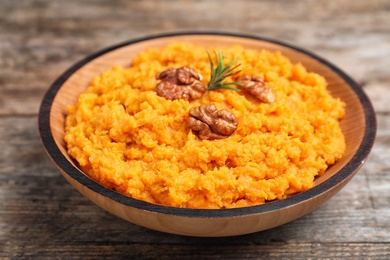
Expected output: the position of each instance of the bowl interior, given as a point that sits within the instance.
(353, 124)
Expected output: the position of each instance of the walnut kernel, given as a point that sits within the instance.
(256, 86)
(181, 83)
(209, 123)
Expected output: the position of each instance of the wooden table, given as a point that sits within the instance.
(41, 215)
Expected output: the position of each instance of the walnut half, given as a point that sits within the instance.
(256, 86)
(209, 123)
(181, 83)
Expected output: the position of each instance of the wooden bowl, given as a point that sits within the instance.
(359, 127)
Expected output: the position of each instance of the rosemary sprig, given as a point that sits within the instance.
(222, 71)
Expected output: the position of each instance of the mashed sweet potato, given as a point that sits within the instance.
(126, 137)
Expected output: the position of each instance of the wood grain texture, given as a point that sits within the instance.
(41, 215)
(278, 251)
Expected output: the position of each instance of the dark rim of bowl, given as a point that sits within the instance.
(347, 171)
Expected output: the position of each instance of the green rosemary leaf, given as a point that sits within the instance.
(224, 86)
(222, 71)
(235, 83)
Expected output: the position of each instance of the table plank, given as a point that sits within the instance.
(42, 216)
(142, 251)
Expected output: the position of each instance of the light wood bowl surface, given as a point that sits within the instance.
(359, 128)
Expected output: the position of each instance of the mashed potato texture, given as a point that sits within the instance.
(126, 137)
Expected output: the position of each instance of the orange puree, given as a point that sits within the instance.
(126, 137)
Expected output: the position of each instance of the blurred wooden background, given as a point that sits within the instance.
(42, 216)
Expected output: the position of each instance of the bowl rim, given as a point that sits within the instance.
(342, 175)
